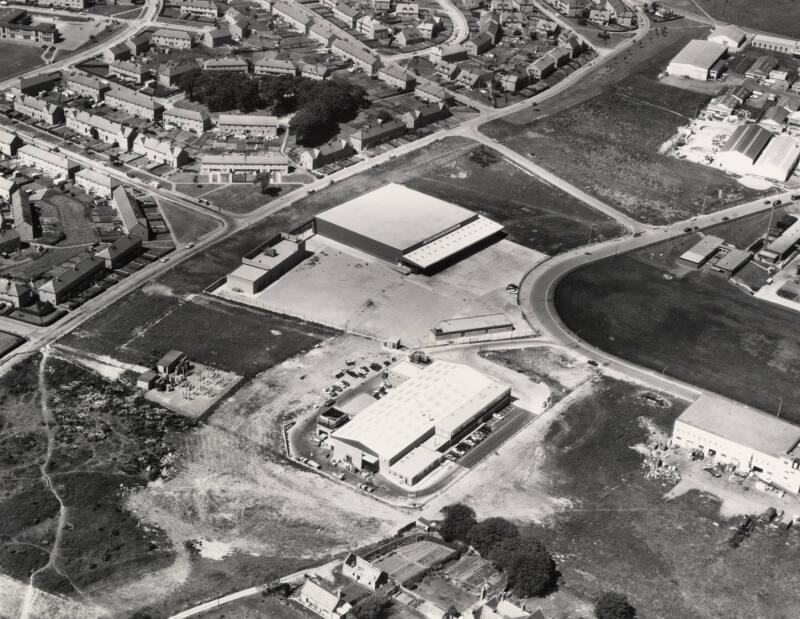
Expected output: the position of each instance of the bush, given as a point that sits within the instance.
(372, 607)
(612, 605)
(488, 533)
(458, 521)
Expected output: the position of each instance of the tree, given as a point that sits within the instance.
(612, 605)
(488, 533)
(372, 607)
(263, 179)
(458, 521)
(529, 567)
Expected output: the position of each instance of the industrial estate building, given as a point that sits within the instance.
(265, 265)
(743, 439)
(701, 252)
(482, 327)
(403, 433)
(406, 227)
(753, 149)
(696, 59)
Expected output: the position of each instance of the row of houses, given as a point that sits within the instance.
(16, 25)
(369, 137)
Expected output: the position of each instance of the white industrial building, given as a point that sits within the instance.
(743, 148)
(696, 59)
(701, 252)
(779, 158)
(404, 226)
(402, 434)
(743, 439)
(730, 36)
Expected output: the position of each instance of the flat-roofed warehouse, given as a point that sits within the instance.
(701, 252)
(742, 438)
(696, 59)
(404, 226)
(431, 409)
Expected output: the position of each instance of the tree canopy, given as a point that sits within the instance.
(458, 521)
(319, 105)
(529, 567)
(612, 605)
(372, 607)
(485, 535)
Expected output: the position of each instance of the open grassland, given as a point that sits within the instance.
(145, 325)
(534, 213)
(699, 327)
(242, 197)
(186, 225)
(609, 147)
(777, 16)
(19, 58)
(618, 533)
(605, 136)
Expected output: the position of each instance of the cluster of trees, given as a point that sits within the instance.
(524, 559)
(373, 606)
(612, 605)
(318, 105)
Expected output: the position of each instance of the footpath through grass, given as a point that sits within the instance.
(618, 533)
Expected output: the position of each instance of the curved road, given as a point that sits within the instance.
(537, 294)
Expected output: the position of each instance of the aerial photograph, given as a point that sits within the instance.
(399, 309)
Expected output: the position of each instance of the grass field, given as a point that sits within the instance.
(19, 58)
(186, 225)
(8, 342)
(699, 328)
(236, 338)
(777, 16)
(607, 142)
(242, 197)
(535, 214)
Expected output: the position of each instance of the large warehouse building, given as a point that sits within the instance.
(743, 148)
(779, 158)
(403, 226)
(696, 59)
(403, 433)
(743, 439)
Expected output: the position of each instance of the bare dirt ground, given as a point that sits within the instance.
(343, 288)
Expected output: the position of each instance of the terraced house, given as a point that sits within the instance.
(196, 121)
(160, 151)
(100, 128)
(360, 56)
(9, 143)
(242, 167)
(52, 164)
(200, 8)
(135, 104)
(273, 66)
(15, 25)
(87, 86)
(129, 70)
(95, 182)
(293, 15)
(171, 39)
(248, 125)
(39, 109)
